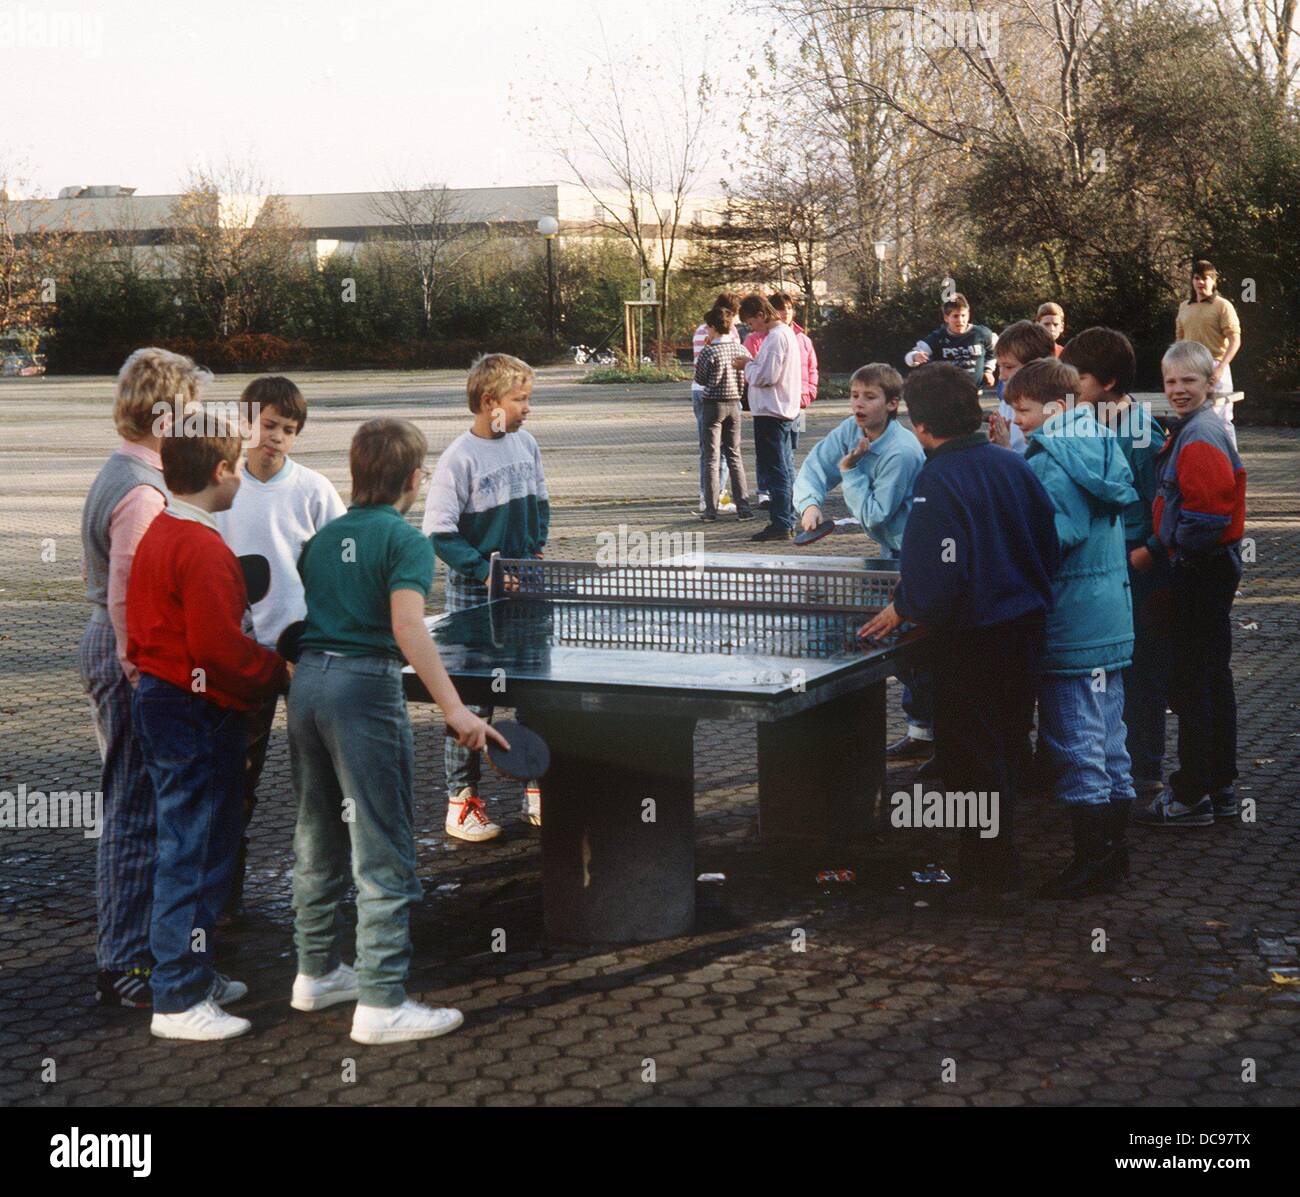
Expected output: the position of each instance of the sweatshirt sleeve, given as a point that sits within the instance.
(1209, 490)
(820, 472)
(448, 498)
(213, 585)
(766, 369)
(814, 374)
(543, 500)
(887, 492)
(704, 366)
(130, 521)
(934, 564)
(328, 505)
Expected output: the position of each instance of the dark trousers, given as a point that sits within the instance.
(257, 723)
(194, 751)
(984, 686)
(1146, 681)
(776, 461)
(1201, 682)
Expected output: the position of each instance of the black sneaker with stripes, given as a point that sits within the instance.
(129, 990)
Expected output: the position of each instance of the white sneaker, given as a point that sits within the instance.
(203, 1020)
(532, 811)
(224, 990)
(467, 819)
(396, 1024)
(316, 993)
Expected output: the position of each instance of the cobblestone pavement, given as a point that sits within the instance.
(893, 1000)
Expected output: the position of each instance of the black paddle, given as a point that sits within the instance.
(812, 535)
(528, 756)
(289, 642)
(257, 576)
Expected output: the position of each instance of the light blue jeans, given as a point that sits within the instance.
(352, 755)
(1081, 720)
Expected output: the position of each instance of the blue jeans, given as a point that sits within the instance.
(772, 448)
(1146, 681)
(1081, 721)
(352, 755)
(194, 751)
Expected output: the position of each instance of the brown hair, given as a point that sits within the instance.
(150, 381)
(1025, 341)
(719, 319)
(882, 375)
(1050, 309)
(1105, 354)
(727, 301)
(956, 303)
(1047, 380)
(383, 455)
(278, 392)
(189, 461)
(943, 398)
(755, 304)
(491, 375)
(1202, 268)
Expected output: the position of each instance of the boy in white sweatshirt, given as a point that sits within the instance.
(280, 505)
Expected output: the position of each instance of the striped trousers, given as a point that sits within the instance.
(125, 859)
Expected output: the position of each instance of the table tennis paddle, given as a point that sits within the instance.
(528, 756)
(812, 535)
(257, 576)
(289, 642)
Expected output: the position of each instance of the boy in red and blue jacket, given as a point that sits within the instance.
(1199, 515)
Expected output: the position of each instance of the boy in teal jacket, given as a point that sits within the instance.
(1090, 629)
(1106, 364)
(871, 455)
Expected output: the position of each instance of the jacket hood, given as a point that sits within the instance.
(1089, 454)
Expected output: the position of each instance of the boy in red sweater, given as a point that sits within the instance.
(198, 675)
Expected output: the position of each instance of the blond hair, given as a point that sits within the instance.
(384, 453)
(491, 375)
(150, 381)
(1191, 355)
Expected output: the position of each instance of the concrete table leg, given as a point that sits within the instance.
(821, 773)
(618, 826)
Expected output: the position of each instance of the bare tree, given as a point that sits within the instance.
(777, 226)
(632, 137)
(1265, 37)
(432, 236)
(238, 249)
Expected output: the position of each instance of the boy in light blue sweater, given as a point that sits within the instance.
(876, 460)
(1090, 628)
(873, 457)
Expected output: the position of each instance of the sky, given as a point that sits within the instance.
(323, 95)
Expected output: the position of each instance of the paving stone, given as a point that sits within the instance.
(731, 1015)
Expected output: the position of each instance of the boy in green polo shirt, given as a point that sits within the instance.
(366, 576)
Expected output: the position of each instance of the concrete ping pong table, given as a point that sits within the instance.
(613, 666)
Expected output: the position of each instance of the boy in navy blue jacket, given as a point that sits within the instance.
(979, 553)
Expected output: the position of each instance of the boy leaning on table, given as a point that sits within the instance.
(978, 557)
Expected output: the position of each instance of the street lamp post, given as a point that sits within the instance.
(548, 226)
(881, 248)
